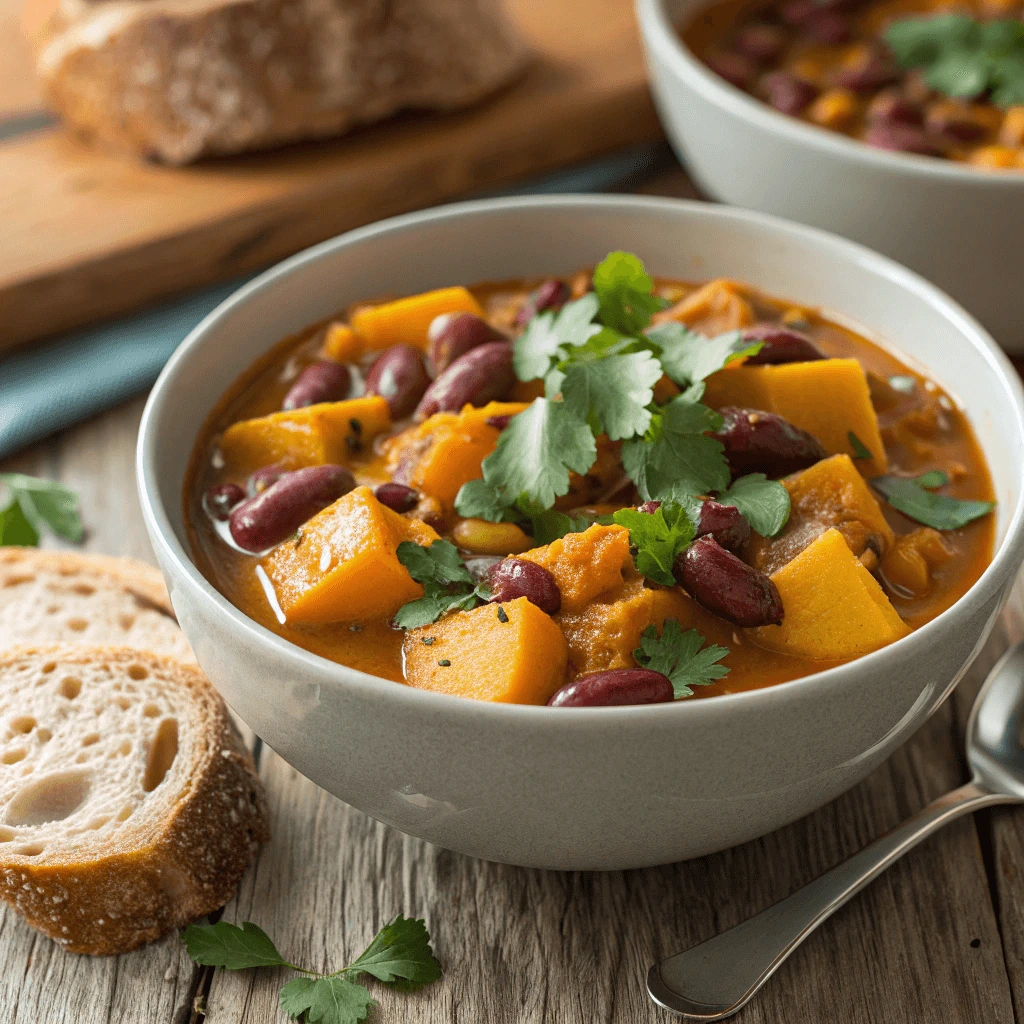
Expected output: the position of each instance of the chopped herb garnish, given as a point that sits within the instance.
(860, 449)
(933, 480)
(659, 537)
(962, 56)
(935, 510)
(444, 663)
(763, 503)
(502, 614)
(356, 425)
(903, 383)
(428, 640)
(681, 656)
(34, 503)
(447, 583)
(400, 955)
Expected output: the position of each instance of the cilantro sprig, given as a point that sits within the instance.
(962, 56)
(681, 656)
(916, 499)
(399, 955)
(448, 585)
(660, 536)
(34, 503)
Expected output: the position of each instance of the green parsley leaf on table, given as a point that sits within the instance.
(400, 956)
(659, 537)
(860, 449)
(688, 357)
(34, 503)
(681, 656)
(764, 503)
(625, 292)
(935, 510)
(447, 584)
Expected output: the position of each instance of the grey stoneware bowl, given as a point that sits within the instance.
(959, 226)
(580, 788)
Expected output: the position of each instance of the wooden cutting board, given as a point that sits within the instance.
(87, 234)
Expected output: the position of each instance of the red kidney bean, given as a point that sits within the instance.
(550, 295)
(480, 376)
(453, 334)
(322, 381)
(220, 500)
(797, 12)
(877, 71)
(726, 586)
(518, 577)
(725, 523)
(277, 512)
(889, 107)
(400, 376)
(734, 68)
(780, 345)
(397, 497)
(788, 93)
(829, 27)
(900, 138)
(263, 478)
(614, 688)
(760, 42)
(946, 120)
(761, 442)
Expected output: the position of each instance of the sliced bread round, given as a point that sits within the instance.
(128, 803)
(61, 596)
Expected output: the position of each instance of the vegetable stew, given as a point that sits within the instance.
(592, 491)
(913, 76)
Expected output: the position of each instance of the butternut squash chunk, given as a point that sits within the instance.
(828, 398)
(478, 655)
(717, 307)
(605, 632)
(342, 565)
(328, 432)
(834, 608)
(831, 493)
(405, 321)
(585, 564)
(342, 344)
(445, 451)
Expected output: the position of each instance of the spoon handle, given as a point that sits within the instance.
(716, 978)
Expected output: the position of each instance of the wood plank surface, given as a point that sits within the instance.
(88, 234)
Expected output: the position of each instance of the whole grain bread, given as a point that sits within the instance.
(175, 80)
(62, 596)
(128, 803)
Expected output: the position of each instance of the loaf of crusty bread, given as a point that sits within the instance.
(175, 80)
(128, 802)
(61, 596)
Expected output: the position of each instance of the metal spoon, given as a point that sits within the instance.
(718, 977)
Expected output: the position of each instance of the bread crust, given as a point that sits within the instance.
(176, 80)
(189, 865)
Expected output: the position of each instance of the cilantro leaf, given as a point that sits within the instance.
(233, 948)
(327, 1000)
(550, 524)
(448, 585)
(933, 479)
(681, 656)
(430, 607)
(675, 459)
(477, 499)
(536, 451)
(44, 501)
(16, 529)
(935, 510)
(614, 392)
(624, 290)
(400, 950)
(763, 503)
(440, 563)
(537, 347)
(860, 449)
(688, 357)
(659, 537)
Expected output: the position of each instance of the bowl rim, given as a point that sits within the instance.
(992, 583)
(660, 32)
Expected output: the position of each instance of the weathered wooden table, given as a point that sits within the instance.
(940, 937)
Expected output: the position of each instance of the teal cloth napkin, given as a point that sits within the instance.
(79, 374)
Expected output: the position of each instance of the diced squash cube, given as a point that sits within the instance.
(478, 655)
(604, 634)
(342, 344)
(331, 432)
(831, 493)
(714, 309)
(834, 609)
(405, 321)
(828, 398)
(445, 451)
(342, 566)
(585, 564)
(909, 563)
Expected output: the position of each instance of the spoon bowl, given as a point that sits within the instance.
(995, 730)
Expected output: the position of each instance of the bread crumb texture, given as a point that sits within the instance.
(129, 804)
(174, 80)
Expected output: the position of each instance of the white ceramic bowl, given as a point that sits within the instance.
(961, 227)
(595, 787)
